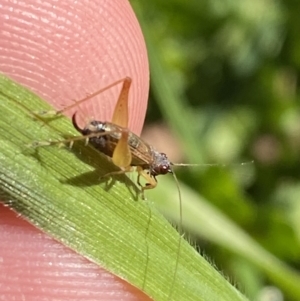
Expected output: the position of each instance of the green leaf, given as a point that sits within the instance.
(59, 190)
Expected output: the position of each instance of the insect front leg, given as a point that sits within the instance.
(151, 181)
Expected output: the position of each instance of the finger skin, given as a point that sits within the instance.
(35, 267)
(64, 50)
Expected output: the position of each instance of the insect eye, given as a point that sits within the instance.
(164, 169)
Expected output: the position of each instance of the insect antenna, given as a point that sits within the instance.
(180, 208)
(212, 164)
(195, 164)
(179, 230)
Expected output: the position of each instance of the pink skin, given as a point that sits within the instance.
(63, 50)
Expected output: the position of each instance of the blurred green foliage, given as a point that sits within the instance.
(224, 77)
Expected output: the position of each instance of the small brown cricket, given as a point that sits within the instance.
(127, 151)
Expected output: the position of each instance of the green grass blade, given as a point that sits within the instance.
(204, 220)
(59, 191)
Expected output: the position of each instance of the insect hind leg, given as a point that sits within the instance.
(54, 113)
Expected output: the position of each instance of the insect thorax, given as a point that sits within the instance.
(105, 143)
